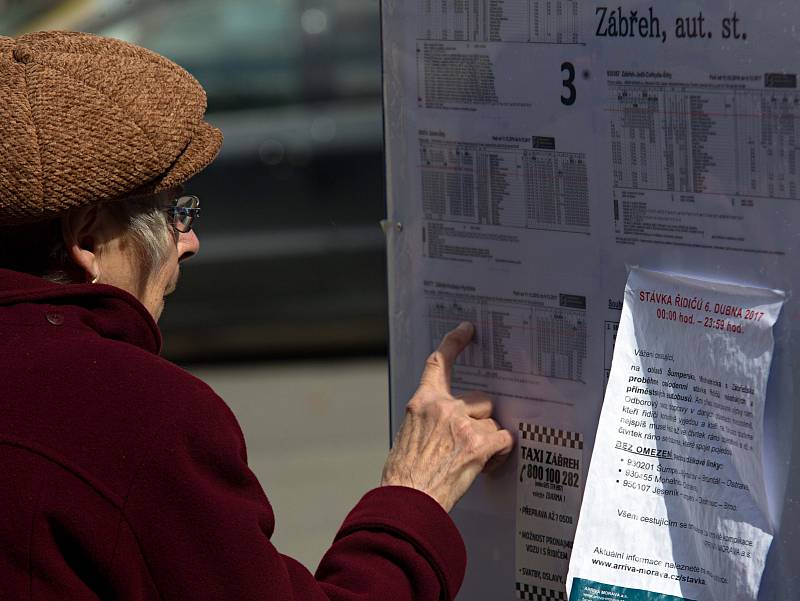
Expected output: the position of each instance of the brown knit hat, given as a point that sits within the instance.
(84, 119)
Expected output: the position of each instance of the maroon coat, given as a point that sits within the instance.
(123, 477)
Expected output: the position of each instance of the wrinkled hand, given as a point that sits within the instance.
(445, 441)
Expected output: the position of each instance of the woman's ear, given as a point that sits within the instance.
(80, 228)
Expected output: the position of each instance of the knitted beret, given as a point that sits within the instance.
(85, 119)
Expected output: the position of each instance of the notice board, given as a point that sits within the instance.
(535, 150)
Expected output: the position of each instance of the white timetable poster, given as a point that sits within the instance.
(534, 149)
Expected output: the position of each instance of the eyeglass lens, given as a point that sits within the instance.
(184, 212)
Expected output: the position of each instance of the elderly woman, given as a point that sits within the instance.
(122, 476)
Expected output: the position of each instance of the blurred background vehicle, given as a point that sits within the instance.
(292, 257)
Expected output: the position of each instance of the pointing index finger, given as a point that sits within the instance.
(437, 370)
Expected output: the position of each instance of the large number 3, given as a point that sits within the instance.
(569, 84)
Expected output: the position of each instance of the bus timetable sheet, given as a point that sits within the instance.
(535, 148)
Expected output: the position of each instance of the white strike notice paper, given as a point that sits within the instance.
(675, 504)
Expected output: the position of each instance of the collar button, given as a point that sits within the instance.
(54, 318)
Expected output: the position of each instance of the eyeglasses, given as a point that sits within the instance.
(182, 212)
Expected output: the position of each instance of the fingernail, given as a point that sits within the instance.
(465, 326)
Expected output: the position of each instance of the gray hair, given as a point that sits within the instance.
(38, 248)
(148, 230)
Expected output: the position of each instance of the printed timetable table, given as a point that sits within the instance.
(515, 335)
(706, 139)
(525, 21)
(538, 188)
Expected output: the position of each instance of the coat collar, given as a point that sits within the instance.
(108, 310)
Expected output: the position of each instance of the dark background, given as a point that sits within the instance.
(292, 258)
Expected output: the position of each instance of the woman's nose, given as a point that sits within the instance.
(188, 245)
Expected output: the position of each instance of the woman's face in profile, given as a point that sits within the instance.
(118, 265)
(165, 279)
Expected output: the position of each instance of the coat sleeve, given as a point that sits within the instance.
(202, 525)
